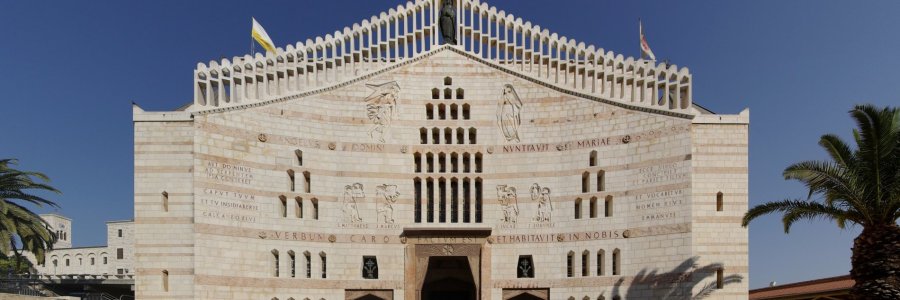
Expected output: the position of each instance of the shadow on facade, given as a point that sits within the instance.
(679, 283)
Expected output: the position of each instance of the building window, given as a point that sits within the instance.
(720, 278)
(473, 136)
(429, 112)
(459, 93)
(417, 184)
(67, 262)
(298, 207)
(465, 111)
(165, 280)
(448, 93)
(92, 261)
(429, 194)
(435, 136)
(120, 232)
(299, 154)
(324, 265)
(442, 111)
(292, 260)
(417, 159)
(578, 208)
(460, 136)
(601, 181)
(120, 253)
(448, 136)
(315, 208)
(593, 159)
(720, 205)
(616, 262)
(435, 93)
(478, 202)
(370, 267)
(423, 136)
(467, 202)
(165, 201)
(608, 205)
(601, 262)
(308, 258)
(448, 80)
(585, 182)
(569, 258)
(454, 111)
(478, 162)
(307, 182)
(429, 162)
(525, 267)
(585, 262)
(465, 162)
(593, 207)
(442, 200)
(292, 183)
(105, 260)
(442, 162)
(454, 162)
(275, 263)
(282, 206)
(454, 200)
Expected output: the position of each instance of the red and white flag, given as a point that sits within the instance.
(645, 48)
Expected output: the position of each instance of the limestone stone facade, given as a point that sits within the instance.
(378, 162)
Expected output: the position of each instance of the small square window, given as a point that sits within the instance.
(525, 267)
(370, 267)
(120, 232)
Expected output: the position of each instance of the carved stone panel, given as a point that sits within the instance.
(509, 110)
(545, 206)
(381, 108)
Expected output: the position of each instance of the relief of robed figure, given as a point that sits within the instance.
(509, 110)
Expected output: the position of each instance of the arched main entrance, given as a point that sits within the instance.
(449, 278)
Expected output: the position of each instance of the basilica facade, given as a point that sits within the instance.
(440, 151)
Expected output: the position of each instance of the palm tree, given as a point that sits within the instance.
(20, 226)
(860, 187)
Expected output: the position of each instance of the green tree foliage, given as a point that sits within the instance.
(858, 186)
(20, 228)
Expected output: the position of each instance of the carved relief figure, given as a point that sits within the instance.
(542, 197)
(386, 210)
(509, 201)
(381, 107)
(509, 113)
(352, 193)
(448, 22)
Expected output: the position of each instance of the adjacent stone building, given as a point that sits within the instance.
(115, 258)
(382, 162)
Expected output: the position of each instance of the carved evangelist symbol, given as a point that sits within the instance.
(381, 108)
(509, 110)
(352, 194)
(509, 202)
(386, 209)
(542, 197)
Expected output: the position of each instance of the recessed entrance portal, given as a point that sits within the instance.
(449, 278)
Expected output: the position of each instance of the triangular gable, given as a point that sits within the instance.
(410, 33)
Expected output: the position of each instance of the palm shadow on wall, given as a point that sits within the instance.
(677, 283)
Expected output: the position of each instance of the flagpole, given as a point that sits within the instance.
(251, 39)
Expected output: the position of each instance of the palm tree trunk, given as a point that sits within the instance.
(876, 263)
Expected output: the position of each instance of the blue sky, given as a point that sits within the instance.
(71, 70)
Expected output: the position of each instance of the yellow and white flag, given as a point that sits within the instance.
(259, 34)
